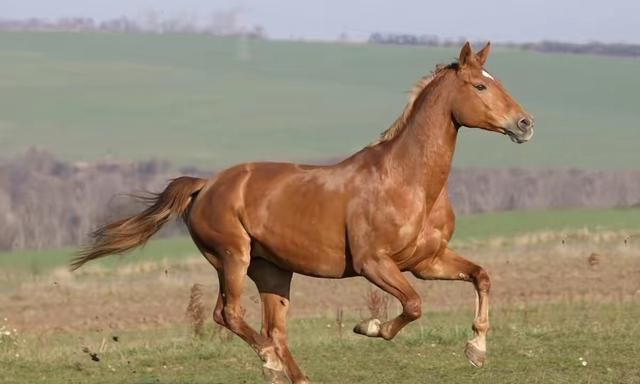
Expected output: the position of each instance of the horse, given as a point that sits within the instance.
(380, 212)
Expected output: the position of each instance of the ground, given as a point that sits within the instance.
(564, 310)
(578, 343)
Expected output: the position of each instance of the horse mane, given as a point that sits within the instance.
(401, 122)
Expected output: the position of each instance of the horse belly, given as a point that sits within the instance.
(309, 262)
(299, 229)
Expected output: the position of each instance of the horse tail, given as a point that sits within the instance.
(126, 234)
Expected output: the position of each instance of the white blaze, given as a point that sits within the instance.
(486, 74)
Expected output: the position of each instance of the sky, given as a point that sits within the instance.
(496, 20)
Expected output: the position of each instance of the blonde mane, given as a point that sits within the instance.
(401, 122)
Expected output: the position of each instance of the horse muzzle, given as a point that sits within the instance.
(521, 131)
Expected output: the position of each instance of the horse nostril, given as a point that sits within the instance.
(524, 124)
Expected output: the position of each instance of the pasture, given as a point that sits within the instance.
(562, 295)
(536, 344)
(212, 102)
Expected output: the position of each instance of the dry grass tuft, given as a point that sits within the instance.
(340, 320)
(378, 304)
(593, 259)
(196, 312)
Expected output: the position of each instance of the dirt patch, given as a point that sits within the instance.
(156, 294)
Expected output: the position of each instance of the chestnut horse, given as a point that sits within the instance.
(378, 213)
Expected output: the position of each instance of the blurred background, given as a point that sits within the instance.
(99, 99)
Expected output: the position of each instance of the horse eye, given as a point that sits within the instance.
(480, 87)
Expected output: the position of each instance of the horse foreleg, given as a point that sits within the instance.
(384, 273)
(451, 266)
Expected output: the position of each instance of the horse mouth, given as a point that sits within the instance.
(519, 138)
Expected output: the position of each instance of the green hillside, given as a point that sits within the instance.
(212, 102)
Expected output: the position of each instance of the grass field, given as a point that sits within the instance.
(555, 307)
(212, 102)
(506, 224)
(537, 344)
(469, 229)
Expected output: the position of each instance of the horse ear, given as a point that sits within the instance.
(483, 54)
(465, 55)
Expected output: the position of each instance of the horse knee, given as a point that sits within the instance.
(481, 280)
(413, 309)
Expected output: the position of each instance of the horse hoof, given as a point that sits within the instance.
(475, 355)
(369, 328)
(274, 376)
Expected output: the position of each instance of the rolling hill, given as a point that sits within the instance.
(212, 102)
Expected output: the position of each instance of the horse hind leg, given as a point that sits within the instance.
(231, 262)
(272, 368)
(218, 317)
(274, 284)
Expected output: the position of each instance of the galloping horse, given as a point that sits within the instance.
(380, 212)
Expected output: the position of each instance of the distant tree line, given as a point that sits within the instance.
(48, 203)
(224, 23)
(594, 48)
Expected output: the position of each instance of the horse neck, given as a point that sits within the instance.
(422, 154)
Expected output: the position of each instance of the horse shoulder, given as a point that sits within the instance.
(437, 231)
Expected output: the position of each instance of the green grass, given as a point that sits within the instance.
(539, 344)
(212, 102)
(482, 226)
(39, 261)
(468, 228)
